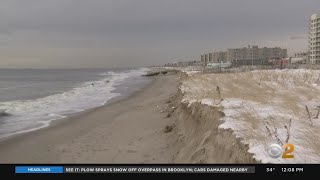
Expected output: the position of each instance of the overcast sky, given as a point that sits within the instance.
(125, 33)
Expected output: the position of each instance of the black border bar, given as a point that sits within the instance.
(260, 169)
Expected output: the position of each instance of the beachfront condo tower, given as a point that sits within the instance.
(314, 38)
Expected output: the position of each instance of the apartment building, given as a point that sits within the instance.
(314, 39)
(251, 55)
(254, 55)
(214, 57)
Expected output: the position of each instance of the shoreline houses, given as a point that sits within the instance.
(251, 55)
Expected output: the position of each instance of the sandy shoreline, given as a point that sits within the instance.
(127, 131)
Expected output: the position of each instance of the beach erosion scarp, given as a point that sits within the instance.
(196, 136)
(193, 128)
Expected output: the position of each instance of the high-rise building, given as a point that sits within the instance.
(254, 55)
(251, 55)
(314, 39)
(214, 57)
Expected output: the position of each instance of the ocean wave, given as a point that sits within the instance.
(108, 73)
(35, 112)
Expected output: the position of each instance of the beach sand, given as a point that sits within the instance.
(128, 131)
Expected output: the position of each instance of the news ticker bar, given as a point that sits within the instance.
(133, 169)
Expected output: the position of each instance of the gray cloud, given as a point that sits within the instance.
(82, 33)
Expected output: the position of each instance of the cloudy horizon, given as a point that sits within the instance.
(132, 33)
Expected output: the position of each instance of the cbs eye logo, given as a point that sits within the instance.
(275, 151)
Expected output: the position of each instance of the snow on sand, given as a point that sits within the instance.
(265, 107)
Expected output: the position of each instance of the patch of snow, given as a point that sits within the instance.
(233, 109)
(248, 119)
(208, 101)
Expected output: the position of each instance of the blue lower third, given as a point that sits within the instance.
(39, 169)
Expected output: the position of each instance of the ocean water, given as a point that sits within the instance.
(31, 99)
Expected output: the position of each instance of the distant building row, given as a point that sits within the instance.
(245, 56)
